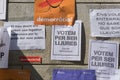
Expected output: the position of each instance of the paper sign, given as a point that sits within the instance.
(105, 22)
(14, 74)
(103, 57)
(66, 42)
(25, 35)
(30, 59)
(3, 9)
(4, 47)
(73, 74)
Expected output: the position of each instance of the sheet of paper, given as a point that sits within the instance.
(3, 9)
(73, 74)
(105, 22)
(4, 47)
(66, 42)
(25, 35)
(103, 57)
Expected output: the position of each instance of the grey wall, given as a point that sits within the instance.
(23, 10)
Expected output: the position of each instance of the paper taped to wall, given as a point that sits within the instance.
(103, 57)
(25, 35)
(4, 47)
(3, 9)
(66, 42)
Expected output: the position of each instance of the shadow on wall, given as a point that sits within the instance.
(14, 61)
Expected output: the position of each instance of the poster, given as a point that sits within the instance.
(105, 22)
(66, 42)
(15, 74)
(73, 74)
(25, 35)
(3, 9)
(54, 12)
(103, 57)
(4, 47)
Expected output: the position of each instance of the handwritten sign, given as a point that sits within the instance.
(2, 9)
(25, 35)
(105, 22)
(66, 42)
(103, 57)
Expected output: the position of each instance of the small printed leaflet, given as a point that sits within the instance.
(103, 57)
(3, 9)
(66, 42)
(4, 47)
(73, 74)
(25, 35)
(105, 22)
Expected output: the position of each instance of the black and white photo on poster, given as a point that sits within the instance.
(66, 42)
(25, 35)
(103, 57)
(105, 22)
(3, 9)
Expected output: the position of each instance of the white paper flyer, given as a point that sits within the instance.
(3, 9)
(105, 22)
(4, 47)
(25, 35)
(66, 42)
(103, 57)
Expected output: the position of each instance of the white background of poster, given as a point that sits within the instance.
(116, 75)
(61, 34)
(4, 47)
(24, 35)
(105, 22)
(105, 53)
(3, 9)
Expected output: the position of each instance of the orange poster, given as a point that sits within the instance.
(14, 74)
(54, 12)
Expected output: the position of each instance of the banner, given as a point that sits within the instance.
(14, 74)
(73, 74)
(66, 42)
(25, 35)
(103, 57)
(54, 12)
(3, 9)
(4, 47)
(105, 22)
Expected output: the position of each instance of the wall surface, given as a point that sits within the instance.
(23, 10)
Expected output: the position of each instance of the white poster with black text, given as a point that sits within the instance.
(26, 36)
(66, 42)
(103, 57)
(3, 9)
(105, 22)
(4, 46)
